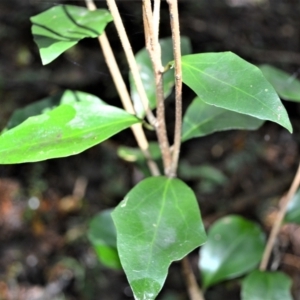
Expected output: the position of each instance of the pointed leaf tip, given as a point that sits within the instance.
(227, 81)
(157, 223)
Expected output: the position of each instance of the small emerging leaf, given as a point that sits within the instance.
(147, 74)
(234, 246)
(102, 235)
(227, 81)
(157, 223)
(70, 128)
(62, 26)
(202, 119)
(286, 85)
(266, 286)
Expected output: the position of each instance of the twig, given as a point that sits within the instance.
(156, 18)
(153, 47)
(131, 59)
(174, 18)
(137, 129)
(193, 289)
(276, 226)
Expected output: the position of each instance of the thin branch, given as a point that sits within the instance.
(193, 289)
(153, 47)
(113, 67)
(156, 18)
(277, 224)
(131, 59)
(174, 18)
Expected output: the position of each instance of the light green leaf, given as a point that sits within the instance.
(157, 223)
(147, 75)
(202, 119)
(234, 246)
(102, 235)
(136, 155)
(286, 85)
(62, 26)
(293, 210)
(81, 122)
(266, 286)
(37, 108)
(227, 81)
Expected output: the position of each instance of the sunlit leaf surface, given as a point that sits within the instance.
(80, 122)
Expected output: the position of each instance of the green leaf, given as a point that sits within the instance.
(202, 119)
(147, 75)
(102, 235)
(234, 246)
(287, 86)
(157, 223)
(136, 155)
(293, 210)
(62, 26)
(267, 286)
(81, 122)
(227, 81)
(189, 172)
(36, 108)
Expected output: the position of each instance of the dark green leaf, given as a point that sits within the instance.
(293, 211)
(102, 235)
(202, 119)
(81, 122)
(227, 81)
(62, 26)
(234, 246)
(208, 172)
(157, 223)
(266, 286)
(287, 86)
(147, 75)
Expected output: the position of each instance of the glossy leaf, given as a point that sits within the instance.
(62, 26)
(267, 286)
(227, 81)
(202, 119)
(234, 246)
(286, 85)
(157, 223)
(81, 122)
(146, 72)
(102, 235)
(293, 210)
